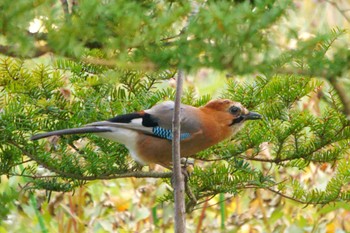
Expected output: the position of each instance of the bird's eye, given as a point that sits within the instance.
(235, 110)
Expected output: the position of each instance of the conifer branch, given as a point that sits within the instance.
(135, 174)
(312, 202)
(343, 95)
(10, 51)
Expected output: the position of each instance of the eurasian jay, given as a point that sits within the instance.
(147, 134)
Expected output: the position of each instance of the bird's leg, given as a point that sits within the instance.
(137, 167)
(192, 198)
(187, 169)
(184, 171)
(187, 166)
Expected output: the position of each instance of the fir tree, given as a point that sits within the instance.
(112, 57)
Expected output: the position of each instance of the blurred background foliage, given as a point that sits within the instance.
(71, 62)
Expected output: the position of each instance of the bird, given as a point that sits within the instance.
(147, 134)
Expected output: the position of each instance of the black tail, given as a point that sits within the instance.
(91, 129)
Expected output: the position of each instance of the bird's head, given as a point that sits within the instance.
(235, 112)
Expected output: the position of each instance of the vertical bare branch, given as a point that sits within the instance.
(178, 177)
(341, 11)
(343, 95)
(74, 6)
(65, 8)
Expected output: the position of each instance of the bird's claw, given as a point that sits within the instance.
(187, 167)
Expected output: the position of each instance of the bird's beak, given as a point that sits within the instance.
(252, 116)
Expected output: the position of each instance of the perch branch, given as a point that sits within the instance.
(136, 174)
(178, 178)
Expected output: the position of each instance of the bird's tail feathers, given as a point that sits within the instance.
(88, 129)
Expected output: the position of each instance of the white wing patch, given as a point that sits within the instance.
(135, 124)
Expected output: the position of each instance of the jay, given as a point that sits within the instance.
(147, 134)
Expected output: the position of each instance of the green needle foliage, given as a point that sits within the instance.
(295, 137)
(113, 57)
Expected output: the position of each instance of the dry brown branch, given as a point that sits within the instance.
(341, 11)
(65, 7)
(11, 51)
(343, 95)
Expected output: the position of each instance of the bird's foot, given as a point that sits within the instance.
(137, 167)
(187, 167)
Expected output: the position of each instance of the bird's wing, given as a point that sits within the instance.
(156, 121)
(163, 114)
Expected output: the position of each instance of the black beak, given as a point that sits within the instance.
(252, 116)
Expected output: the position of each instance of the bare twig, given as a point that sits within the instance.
(113, 63)
(341, 11)
(179, 182)
(178, 178)
(74, 3)
(10, 51)
(65, 8)
(134, 174)
(265, 188)
(201, 218)
(286, 196)
(192, 198)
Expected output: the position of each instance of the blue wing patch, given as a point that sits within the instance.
(167, 133)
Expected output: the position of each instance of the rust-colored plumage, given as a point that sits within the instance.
(147, 134)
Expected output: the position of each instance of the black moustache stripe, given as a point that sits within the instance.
(237, 120)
